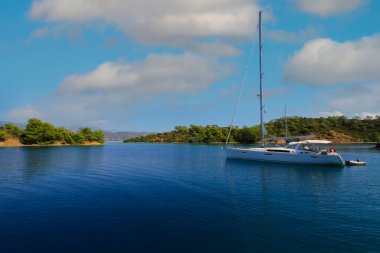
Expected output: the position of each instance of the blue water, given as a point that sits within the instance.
(183, 198)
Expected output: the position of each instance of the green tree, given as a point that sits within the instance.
(98, 136)
(38, 132)
(13, 130)
(181, 129)
(359, 130)
(65, 136)
(3, 136)
(247, 135)
(79, 138)
(197, 134)
(86, 134)
(214, 134)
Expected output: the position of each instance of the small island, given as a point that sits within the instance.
(337, 129)
(39, 133)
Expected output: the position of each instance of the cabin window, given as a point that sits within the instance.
(293, 146)
(278, 150)
(308, 147)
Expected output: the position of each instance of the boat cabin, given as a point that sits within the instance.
(309, 146)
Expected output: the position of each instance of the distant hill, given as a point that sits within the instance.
(120, 136)
(335, 129)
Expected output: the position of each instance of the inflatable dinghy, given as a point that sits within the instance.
(355, 162)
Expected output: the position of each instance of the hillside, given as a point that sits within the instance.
(336, 129)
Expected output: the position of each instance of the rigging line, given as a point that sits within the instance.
(242, 87)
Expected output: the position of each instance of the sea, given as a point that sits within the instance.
(139, 197)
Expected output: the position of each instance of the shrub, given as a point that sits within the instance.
(2, 135)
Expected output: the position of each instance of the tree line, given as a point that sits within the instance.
(201, 134)
(358, 130)
(43, 133)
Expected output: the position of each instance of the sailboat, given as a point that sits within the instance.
(301, 152)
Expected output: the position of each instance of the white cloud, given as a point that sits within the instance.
(110, 43)
(275, 92)
(329, 7)
(362, 115)
(155, 22)
(39, 33)
(74, 33)
(351, 100)
(157, 74)
(292, 37)
(331, 114)
(108, 92)
(23, 114)
(359, 98)
(215, 49)
(324, 61)
(368, 115)
(230, 91)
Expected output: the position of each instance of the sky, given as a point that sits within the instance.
(142, 65)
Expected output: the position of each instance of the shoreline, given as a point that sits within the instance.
(217, 143)
(52, 145)
(14, 143)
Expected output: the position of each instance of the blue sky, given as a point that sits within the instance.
(151, 65)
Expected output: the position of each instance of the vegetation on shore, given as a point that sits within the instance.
(337, 129)
(37, 132)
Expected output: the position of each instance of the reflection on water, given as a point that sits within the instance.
(183, 198)
(294, 174)
(271, 179)
(38, 161)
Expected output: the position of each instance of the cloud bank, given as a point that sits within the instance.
(324, 62)
(331, 114)
(329, 7)
(360, 98)
(24, 113)
(113, 86)
(292, 37)
(155, 22)
(156, 74)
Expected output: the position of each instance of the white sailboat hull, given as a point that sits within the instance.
(262, 154)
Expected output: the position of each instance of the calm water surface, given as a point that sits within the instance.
(183, 198)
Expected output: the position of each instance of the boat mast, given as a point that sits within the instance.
(286, 125)
(261, 83)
